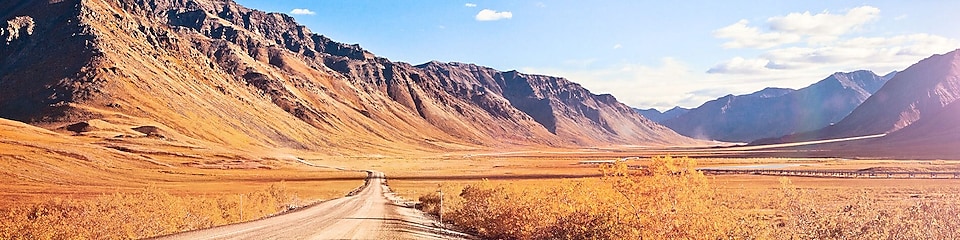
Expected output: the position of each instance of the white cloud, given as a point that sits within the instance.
(739, 65)
(470, 5)
(795, 27)
(821, 43)
(881, 54)
(491, 15)
(541, 5)
(617, 46)
(743, 36)
(824, 27)
(877, 53)
(302, 11)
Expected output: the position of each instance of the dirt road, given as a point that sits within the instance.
(370, 213)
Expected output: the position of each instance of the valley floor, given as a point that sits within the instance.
(78, 181)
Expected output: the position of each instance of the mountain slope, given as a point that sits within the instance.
(657, 116)
(936, 136)
(920, 91)
(776, 112)
(214, 72)
(64, 161)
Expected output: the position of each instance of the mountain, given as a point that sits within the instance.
(936, 136)
(212, 72)
(889, 76)
(774, 112)
(923, 90)
(657, 116)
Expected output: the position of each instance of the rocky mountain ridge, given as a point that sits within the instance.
(655, 115)
(215, 71)
(774, 112)
(923, 90)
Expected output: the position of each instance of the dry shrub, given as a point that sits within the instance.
(149, 212)
(864, 218)
(674, 201)
(430, 203)
(498, 213)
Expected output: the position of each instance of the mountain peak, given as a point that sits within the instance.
(770, 92)
(774, 112)
(922, 90)
(655, 115)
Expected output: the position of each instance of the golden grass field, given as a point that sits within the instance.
(411, 178)
(51, 179)
(750, 206)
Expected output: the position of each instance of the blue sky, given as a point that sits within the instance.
(646, 53)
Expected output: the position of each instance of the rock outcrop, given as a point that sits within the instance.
(16, 27)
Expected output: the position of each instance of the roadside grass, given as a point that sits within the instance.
(163, 202)
(145, 213)
(699, 207)
(149, 212)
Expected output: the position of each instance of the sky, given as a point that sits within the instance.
(648, 54)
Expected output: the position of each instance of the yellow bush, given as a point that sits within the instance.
(147, 213)
(673, 201)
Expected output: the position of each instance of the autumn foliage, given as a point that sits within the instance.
(671, 200)
(863, 218)
(149, 212)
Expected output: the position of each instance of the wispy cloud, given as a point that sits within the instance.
(823, 42)
(741, 35)
(824, 27)
(470, 5)
(492, 15)
(617, 46)
(739, 65)
(302, 11)
(795, 27)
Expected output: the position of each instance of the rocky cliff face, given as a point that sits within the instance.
(923, 90)
(775, 112)
(218, 72)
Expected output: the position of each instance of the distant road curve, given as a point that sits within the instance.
(365, 214)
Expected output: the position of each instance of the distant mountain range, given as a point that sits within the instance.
(918, 109)
(657, 116)
(774, 112)
(214, 72)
